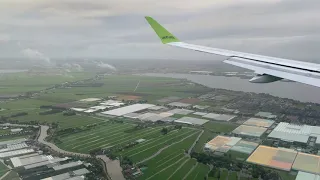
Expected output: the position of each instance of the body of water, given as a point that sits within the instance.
(292, 90)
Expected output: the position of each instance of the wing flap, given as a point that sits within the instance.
(283, 72)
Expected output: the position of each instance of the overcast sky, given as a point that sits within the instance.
(117, 28)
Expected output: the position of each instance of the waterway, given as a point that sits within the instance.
(291, 90)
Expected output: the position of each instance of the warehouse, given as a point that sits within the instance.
(179, 104)
(305, 176)
(307, 162)
(278, 158)
(221, 143)
(294, 133)
(219, 117)
(16, 141)
(254, 131)
(259, 122)
(191, 120)
(245, 147)
(15, 153)
(128, 109)
(180, 111)
(11, 147)
(27, 160)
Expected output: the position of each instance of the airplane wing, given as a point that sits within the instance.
(268, 69)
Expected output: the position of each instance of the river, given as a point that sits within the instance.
(291, 90)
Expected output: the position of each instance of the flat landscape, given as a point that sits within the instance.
(163, 150)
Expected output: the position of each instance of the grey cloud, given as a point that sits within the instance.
(113, 29)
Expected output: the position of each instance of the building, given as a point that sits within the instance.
(259, 122)
(179, 104)
(191, 121)
(278, 158)
(219, 117)
(221, 143)
(267, 115)
(244, 130)
(305, 176)
(128, 109)
(295, 133)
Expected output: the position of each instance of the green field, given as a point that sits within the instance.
(12, 176)
(3, 169)
(205, 137)
(15, 83)
(238, 155)
(171, 163)
(199, 172)
(219, 126)
(146, 149)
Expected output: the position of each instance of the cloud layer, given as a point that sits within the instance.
(117, 29)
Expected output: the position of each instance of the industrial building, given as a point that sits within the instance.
(307, 163)
(267, 115)
(191, 121)
(12, 147)
(245, 147)
(244, 130)
(75, 175)
(128, 109)
(219, 117)
(259, 122)
(200, 113)
(34, 160)
(295, 133)
(4, 144)
(221, 143)
(306, 176)
(179, 104)
(180, 111)
(15, 153)
(278, 158)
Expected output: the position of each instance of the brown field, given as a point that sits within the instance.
(190, 100)
(128, 97)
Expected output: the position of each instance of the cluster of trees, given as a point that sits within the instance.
(52, 111)
(166, 130)
(136, 128)
(19, 114)
(258, 171)
(69, 113)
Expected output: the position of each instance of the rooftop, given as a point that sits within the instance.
(249, 130)
(191, 120)
(128, 109)
(259, 122)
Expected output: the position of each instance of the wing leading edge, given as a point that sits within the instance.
(303, 72)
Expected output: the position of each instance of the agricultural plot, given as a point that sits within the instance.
(63, 121)
(16, 83)
(3, 169)
(205, 137)
(219, 126)
(146, 149)
(106, 136)
(171, 162)
(199, 172)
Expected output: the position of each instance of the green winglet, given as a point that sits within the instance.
(164, 35)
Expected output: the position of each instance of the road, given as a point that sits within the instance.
(113, 167)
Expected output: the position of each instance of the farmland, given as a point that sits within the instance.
(163, 155)
(3, 169)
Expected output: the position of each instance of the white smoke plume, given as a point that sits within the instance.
(105, 65)
(35, 54)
